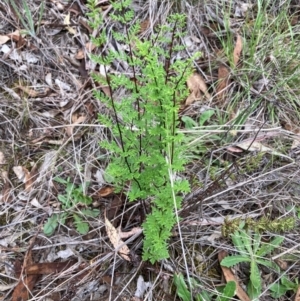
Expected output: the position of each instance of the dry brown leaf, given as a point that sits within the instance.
(25, 176)
(297, 296)
(223, 81)
(22, 291)
(68, 23)
(196, 84)
(253, 146)
(237, 49)
(4, 39)
(17, 37)
(31, 178)
(33, 93)
(76, 120)
(114, 237)
(223, 71)
(81, 53)
(132, 232)
(30, 92)
(229, 276)
(234, 149)
(46, 268)
(21, 172)
(282, 264)
(144, 25)
(105, 191)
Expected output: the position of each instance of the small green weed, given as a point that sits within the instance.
(27, 18)
(298, 211)
(74, 204)
(204, 117)
(225, 294)
(252, 250)
(273, 74)
(279, 289)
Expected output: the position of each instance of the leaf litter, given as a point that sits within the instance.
(49, 128)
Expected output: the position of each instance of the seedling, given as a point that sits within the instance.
(252, 250)
(225, 294)
(279, 289)
(74, 205)
(26, 18)
(204, 117)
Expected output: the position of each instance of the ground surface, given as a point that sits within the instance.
(243, 158)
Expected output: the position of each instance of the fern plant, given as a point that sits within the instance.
(143, 122)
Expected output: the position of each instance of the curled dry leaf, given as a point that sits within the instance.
(282, 264)
(25, 176)
(23, 289)
(20, 172)
(253, 146)
(89, 47)
(229, 276)
(234, 149)
(76, 120)
(223, 81)
(26, 282)
(198, 87)
(48, 79)
(31, 178)
(133, 231)
(237, 50)
(223, 71)
(144, 25)
(68, 23)
(297, 296)
(3, 39)
(33, 93)
(141, 288)
(105, 191)
(117, 242)
(46, 268)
